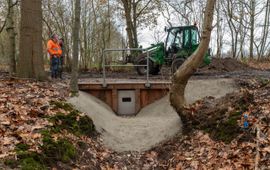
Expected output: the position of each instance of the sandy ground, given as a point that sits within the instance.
(155, 123)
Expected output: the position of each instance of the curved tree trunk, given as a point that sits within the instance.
(182, 75)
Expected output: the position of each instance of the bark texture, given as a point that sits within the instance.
(11, 41)
(130, 23)
(252, 27)
(30, 63)
(182, 75)
(75, 32)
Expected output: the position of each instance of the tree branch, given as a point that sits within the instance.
(143, 8)
(3, 26)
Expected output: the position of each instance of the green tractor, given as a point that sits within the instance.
(181, 42)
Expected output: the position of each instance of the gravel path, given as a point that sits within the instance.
(155, 123)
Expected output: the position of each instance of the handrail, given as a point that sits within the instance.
(104, 84)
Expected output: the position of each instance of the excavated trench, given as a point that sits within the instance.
(155, 123)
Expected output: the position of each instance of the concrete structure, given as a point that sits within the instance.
(126, 97)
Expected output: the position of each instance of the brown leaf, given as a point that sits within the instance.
(179, 166)
(189, 159)
(36, 136)
(195, 164)
(3, 155)
(5, 122)
(267, 149)
(37, 127)
(7, 140)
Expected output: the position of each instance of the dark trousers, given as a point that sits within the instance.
(55, 67)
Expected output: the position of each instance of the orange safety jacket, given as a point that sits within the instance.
(54, 48)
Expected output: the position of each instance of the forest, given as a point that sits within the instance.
(240, 27)
(134, 84)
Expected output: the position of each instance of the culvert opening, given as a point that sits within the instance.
(126, 102)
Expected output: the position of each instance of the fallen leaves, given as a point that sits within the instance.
(24, 106)
(266, 149)
(262, 65)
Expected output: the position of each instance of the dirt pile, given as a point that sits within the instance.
(225, 65)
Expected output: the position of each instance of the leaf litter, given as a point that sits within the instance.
(26, 105)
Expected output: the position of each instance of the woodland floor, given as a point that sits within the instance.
(36, 131)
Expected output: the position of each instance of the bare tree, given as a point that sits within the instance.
(265, 33)
(182, 75)
(136, 12)
(218, 30)
(229, 10)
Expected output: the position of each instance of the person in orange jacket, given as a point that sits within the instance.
(55, 52)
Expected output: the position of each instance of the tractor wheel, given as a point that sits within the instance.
(142, 70)
(176, 64)
(154, 70)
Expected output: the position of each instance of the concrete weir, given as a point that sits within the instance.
(154, 122)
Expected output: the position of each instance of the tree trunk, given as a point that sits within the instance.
(182, 75)
(30, 63)
(11, 42)
(265, 30)
(228, 9)
(134, 26)
(75, 32)
(252, 25)
(127, 8)
(219, 40)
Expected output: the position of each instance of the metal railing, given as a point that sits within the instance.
(104, 65)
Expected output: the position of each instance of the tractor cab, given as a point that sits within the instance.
(181, 41)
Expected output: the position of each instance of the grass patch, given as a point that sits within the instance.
(61, 150)
(53, 151)
(263, 81)
(74, 123)
(62, 105)
(31, 164)
(12, 163)
(227, 129)
(21, 147)
(26, 161)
